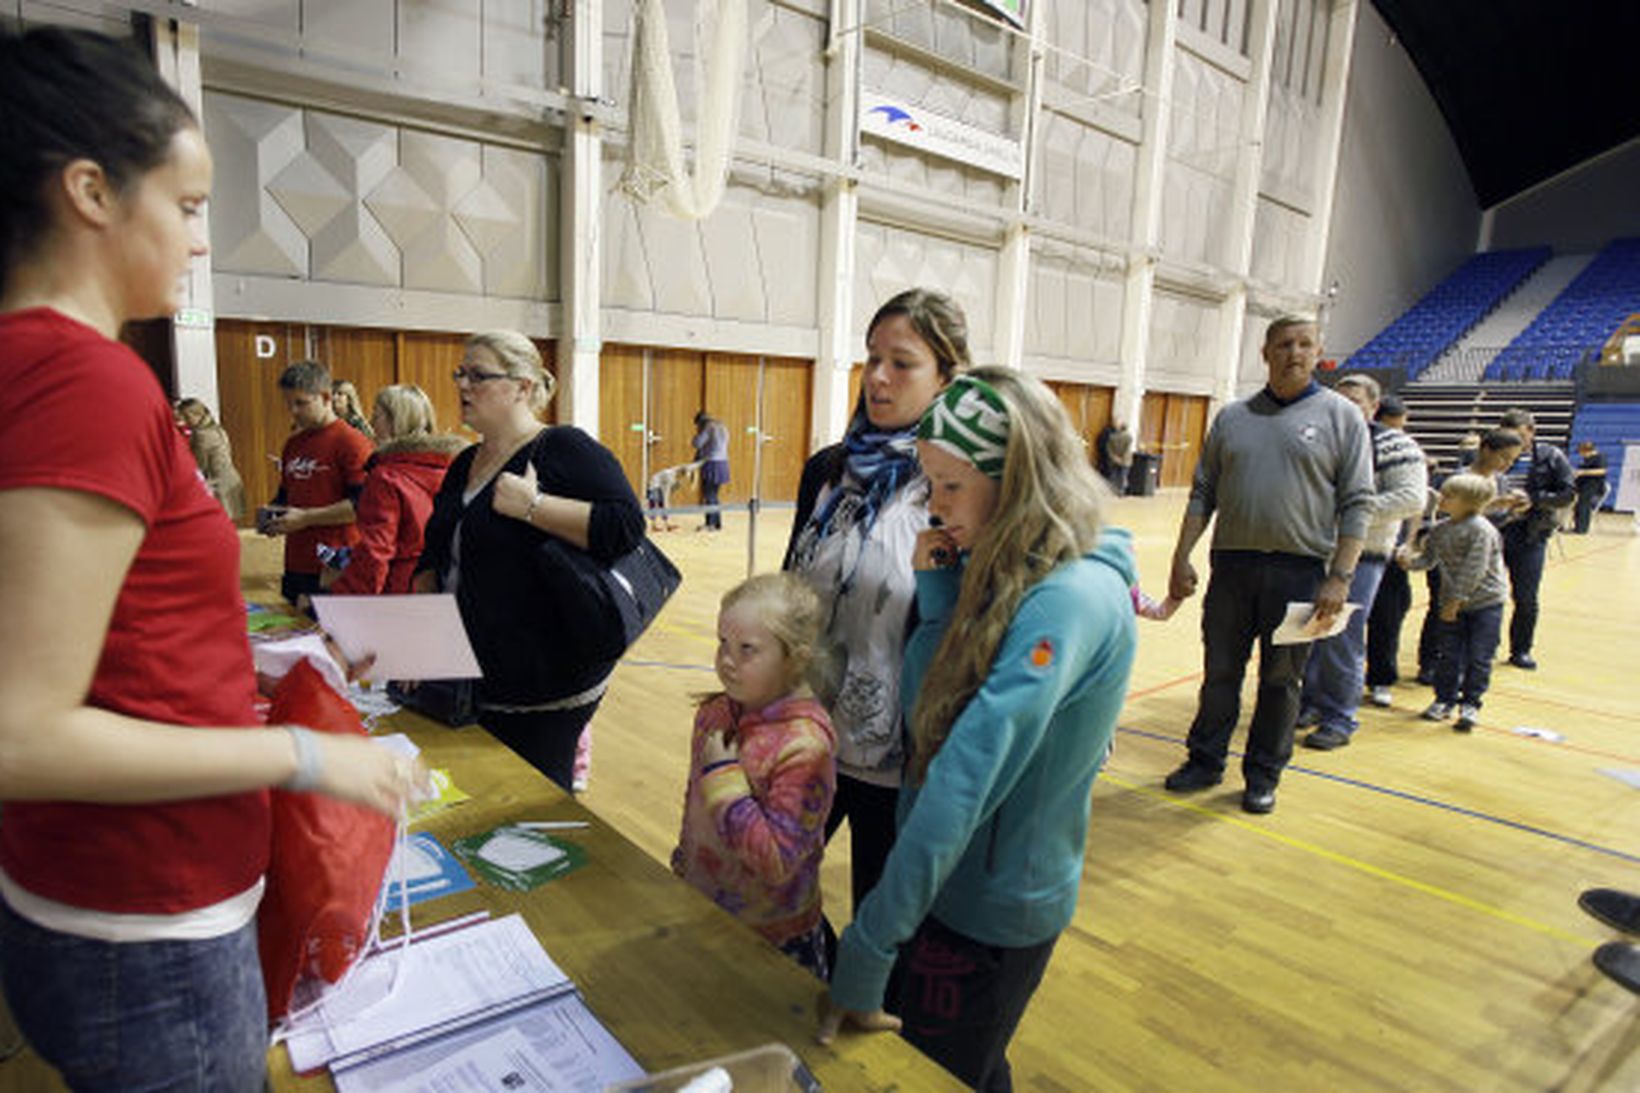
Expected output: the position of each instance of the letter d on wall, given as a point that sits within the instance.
(266, 347)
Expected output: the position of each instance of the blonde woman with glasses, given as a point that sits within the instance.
(520, 484)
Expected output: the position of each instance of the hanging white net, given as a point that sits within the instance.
(655, 166)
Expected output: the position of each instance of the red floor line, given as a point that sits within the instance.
(1163, 686)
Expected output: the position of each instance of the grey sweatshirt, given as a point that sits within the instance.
(1287, 477)
(1402, 483)
(1469, 554)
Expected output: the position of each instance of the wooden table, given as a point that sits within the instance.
(673, 977)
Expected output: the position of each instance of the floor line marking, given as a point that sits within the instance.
(1428, 802)
(1466, 902)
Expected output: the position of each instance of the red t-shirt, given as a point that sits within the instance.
(321, 467)
(79, 412)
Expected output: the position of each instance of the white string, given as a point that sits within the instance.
(373, 942)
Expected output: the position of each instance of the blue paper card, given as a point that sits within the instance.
(430, 871)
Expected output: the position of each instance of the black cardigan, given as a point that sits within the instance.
(523, 639)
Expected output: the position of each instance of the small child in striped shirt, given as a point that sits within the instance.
(1468, 552)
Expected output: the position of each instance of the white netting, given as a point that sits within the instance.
(655, 164)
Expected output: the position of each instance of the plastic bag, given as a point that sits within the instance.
(328, 859)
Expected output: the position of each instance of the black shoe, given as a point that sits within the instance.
(1258, 801)
(1192, 776)
(1327, 738)
(1621, 962)
(1619, 910)
(1523, 661)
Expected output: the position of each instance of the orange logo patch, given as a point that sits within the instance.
(1042, 654)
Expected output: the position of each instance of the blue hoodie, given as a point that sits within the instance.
(992, 842)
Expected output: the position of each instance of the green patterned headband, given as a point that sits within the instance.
(969, 419)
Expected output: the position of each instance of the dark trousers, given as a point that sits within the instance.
(1588, 492)
(869, 810)
(1523, 555)
(960, 1000)
(1246, 599)
(709, 496)
(545, 739)
(1389, 611)
(1117, 476)
(1468, 647)
(292, 585)
(1429, 642)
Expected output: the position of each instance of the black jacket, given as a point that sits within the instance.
(524, 640)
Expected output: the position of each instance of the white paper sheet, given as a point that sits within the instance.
(413, 637)
(518, 853)
(1295, 628)
(455, 978)
(553, 1045)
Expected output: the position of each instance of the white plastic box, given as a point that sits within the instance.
(772, 1068)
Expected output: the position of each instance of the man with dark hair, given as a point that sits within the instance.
(1591, 485)
(1550, 488)
(320, 475)
(1287, 473)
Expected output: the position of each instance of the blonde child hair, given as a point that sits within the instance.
(789, 606)
(408, 410)
(1473, 491)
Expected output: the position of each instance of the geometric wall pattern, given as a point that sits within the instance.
(1076, 310)
(1183, 330)
(889, 259)
(1203, 139)
(1085, 176)
(321, 197)
(1101, 50)
(755, 259)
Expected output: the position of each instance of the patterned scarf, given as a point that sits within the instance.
(880, 461)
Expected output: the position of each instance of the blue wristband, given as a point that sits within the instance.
(718, 765)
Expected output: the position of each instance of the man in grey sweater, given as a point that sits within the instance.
(1287, 473)
(1337, 667)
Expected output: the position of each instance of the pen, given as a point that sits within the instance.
(550, 825)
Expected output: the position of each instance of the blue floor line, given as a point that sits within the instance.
(1428, 801)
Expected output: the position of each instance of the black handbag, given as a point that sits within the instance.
(609, 605)
(448, 701)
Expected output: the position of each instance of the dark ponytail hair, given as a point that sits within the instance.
(67, 95)
(938, 320)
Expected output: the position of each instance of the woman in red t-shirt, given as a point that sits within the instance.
(132, 767)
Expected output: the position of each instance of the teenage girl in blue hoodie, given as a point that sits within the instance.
(1012, 684)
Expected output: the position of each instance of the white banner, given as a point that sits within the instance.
(1628, 486)
(899, 121)
(1011, 10)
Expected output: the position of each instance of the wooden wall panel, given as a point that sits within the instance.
(426, 360)
(1174, 425)
(731, 390)
(621, 409)
(788, 386)
(677, 387)
(1152, 420)
(366, 356)
(253, 411)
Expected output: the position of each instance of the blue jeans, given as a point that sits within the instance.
(1337, 667)
(150, 1015)
(1467, 649)
(1246, 599)
(1523, 554)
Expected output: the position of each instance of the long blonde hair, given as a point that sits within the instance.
(1048, 512)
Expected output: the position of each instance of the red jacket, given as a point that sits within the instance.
(398, 494)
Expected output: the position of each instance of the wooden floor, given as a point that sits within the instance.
(1405, 920)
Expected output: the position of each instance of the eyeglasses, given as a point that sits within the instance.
(474, 376)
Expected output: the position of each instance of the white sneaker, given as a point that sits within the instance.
(1467, 715)
(1381, 697)
(1438, 711)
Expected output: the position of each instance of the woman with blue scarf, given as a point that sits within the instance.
(860, 507)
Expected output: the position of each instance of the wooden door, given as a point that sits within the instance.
(1098, 412)
(622, 424)
(365, 356)
(677, 384)
(731, 389)
(788, 386)
(426, 360)
(1152, 421)
(1192, 429)
(249, 358)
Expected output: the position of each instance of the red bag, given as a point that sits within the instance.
(327, 863)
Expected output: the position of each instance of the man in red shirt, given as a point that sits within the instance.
(321, 474)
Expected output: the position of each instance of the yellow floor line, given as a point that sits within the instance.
(1360, 866)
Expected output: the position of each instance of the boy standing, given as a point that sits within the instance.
(321, 474)
(1467, 551)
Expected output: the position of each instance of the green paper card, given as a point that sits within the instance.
(518, 859)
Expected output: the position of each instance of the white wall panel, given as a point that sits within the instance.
(515, 47)
(889, 260)
(1201, 159)
(1183, 336)
(325, 197)
(361, 31)
(1100, 46)
(1280, 236)
(1076, 310)
(441, 37)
